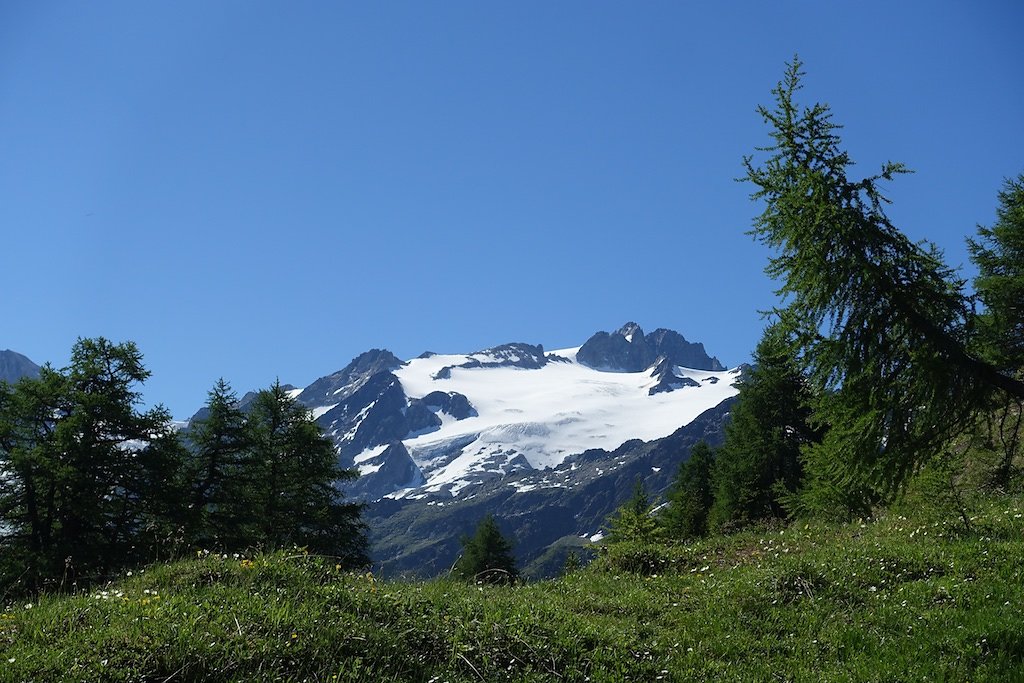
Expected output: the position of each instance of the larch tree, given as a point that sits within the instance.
(634, 521)
(296, 478)
(220, 485)
(998, 253)
(487, 555)
(87, 476)
(691, 495)
(884, 327)
(760, 465)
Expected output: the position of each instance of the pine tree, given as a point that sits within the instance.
(691, 496)
(998, 254)
(759, 465)
(295, 474)
(487, 555)
(884, 325)
(31, 483)
(634, 521)
(220, 489)
(87, 475)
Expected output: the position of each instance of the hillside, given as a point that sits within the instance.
(893, 599)
(14, 366)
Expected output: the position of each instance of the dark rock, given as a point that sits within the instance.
(625, 350)
(391, 470)
(670, 344)
(541, 509)
(14, 366)
(453, 403)
(629, 350)
(420, 419)
(514, 355)
(342, 384)
(371, 415)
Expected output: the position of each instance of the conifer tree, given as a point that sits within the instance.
(87, 476)
(759, 465)
(691, 496)
(295, 473)
(634, 521)
(998, 253)
(883, 325)
(220, 486)
(487, 555)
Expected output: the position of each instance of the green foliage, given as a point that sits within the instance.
(221, 515)
(573, 563)
(294, 470)
(634, 521)
(86, 472)
(487, 555)
(90, 483)
(998, 253)
(691, 495)
(759, 467)
(883, 325)
(892, 599)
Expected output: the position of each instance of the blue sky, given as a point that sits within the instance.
(257, 190)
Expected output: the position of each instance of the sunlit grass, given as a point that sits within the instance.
(893, 599)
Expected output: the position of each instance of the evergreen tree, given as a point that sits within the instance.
(295, 472)
(759, 465)
(87, 476)
(998, 254)
(883, 324)
(691, 495)
(634, 521)
(221, 490)
(31, 483)
(487, 555)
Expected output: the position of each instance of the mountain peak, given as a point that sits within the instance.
(630, 331)
(14, 366)
(628, 349)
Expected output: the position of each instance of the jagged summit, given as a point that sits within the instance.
(629, 331)
(349, 379)
(628, 349)
(441, 425)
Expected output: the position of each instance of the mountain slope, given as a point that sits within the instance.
(443, 425)
(14, 366)
(546, 513)
(550, 442)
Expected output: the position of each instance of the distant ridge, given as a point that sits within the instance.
(14, 366)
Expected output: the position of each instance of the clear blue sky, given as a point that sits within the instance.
(265, 189)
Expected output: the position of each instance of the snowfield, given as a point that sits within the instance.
(535, 418)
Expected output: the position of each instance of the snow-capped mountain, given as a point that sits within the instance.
(441, 426)
(549, 442)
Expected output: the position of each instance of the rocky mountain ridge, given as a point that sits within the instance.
(440, 426)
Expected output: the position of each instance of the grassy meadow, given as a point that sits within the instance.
(892, 599)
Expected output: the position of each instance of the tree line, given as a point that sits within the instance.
(91, 484)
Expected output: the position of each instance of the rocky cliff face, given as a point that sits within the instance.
(628, 349)
(442, 426)
(548, 513)
(546, 439)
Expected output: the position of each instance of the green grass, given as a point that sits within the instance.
(895, 599)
